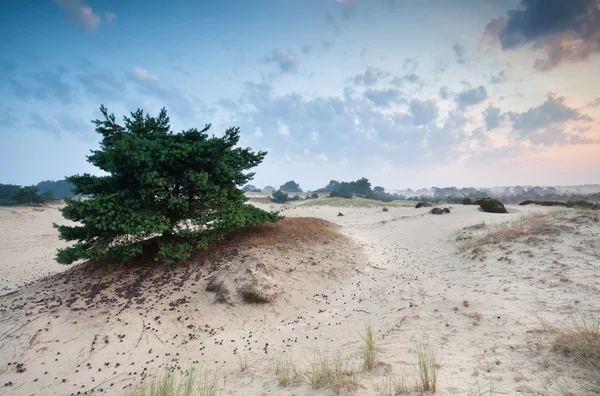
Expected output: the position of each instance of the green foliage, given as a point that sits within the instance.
(492, 205)
(296, 197)
(251, 188)
(291, 186)
(60, 188)
(7, 191)
(173, 192)
(314, 195)
(280, 196)
(11, 194)
(342, 193)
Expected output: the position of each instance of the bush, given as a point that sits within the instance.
(296, 197)
(291, 186)
(491, 205)
(170, 192)
(279, 196)
(314, 195)
(341, 193)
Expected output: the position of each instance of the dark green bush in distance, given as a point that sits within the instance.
(291, 186)
(174, 192)
(314, 195)
(280, 196)
(491, 205)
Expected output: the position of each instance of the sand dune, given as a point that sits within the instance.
(461, 283)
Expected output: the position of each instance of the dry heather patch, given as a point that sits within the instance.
(580, 342)
(530, 229)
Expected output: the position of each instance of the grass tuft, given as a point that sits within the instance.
(428, 369)
(285, 368)
(482, 390)
(579, 341)
(331, 374)
(192, 382)
(368, 350)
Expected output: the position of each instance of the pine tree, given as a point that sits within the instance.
(172, 191)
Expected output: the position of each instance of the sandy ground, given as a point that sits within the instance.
(411, 274)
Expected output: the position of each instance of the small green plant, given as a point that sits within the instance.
(428, 369)
(482, 390)
(286, 370)
(368, 349)
(392, 385)
(243, 361)
(192, 382)
(331, 374)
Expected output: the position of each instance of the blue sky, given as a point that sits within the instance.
(407, 93)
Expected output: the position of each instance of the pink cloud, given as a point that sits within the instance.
(80, 13)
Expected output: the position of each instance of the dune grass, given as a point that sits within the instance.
(579, 341)
(482, 390)
(357, 203)
(368, 349)
(286, 371)
(331, 373)
(427, 368)
(393, 385)
(168, 382)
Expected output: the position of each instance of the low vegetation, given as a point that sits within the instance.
(358, 203)
(579, 204)
(491, 205)
(428, 369)
(579, 341)
(192, 382)
(368, 350)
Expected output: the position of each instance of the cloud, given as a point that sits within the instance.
(498, 78)
(410, 65)
(444, 92)
(594, 103)
(423, 112)
(493, 118)
(470, 97)
(7, 118)
(382, 97)
(284, 60)
(350, 126)
(546, 123)
(459, 52)
(567, 31)
(143, 76)
(176, 101)
(110, 16)
(371, 76)
(408, 78)
(100, 83)
(306, 49)
(80, 13)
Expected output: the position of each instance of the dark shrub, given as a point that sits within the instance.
(279, 197)
(491, 205)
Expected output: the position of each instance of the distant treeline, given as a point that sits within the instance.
(11, 194)
(509, 195)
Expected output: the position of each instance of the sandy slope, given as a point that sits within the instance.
(402, 270)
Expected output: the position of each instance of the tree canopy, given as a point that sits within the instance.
(291, 186)
(171, 191)
(11, 194)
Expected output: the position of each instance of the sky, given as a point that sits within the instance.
(408, 93)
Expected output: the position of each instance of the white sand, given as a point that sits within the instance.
(401, 270)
